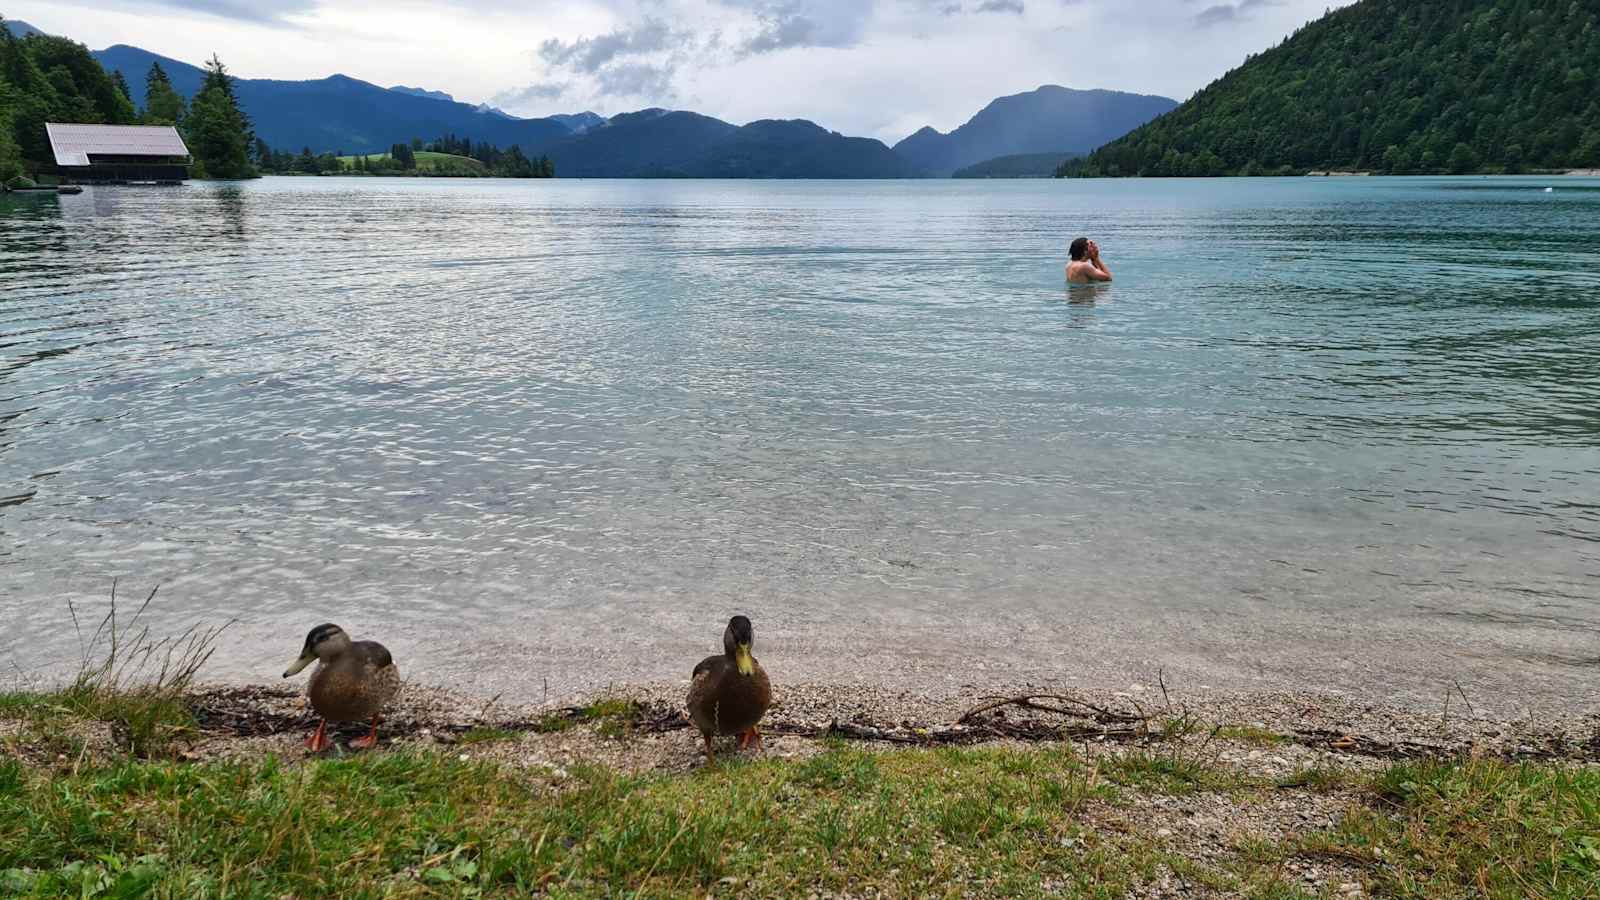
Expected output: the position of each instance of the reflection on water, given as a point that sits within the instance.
(1307, 411)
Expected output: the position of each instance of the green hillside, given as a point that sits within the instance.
(1017, 165)
(432, 163)
(1395, 86)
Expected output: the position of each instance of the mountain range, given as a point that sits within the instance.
(338, 112)
(1051, 119)
(343, 114)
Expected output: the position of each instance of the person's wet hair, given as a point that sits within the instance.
(1079, 248)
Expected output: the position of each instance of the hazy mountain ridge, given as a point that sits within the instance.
(1017, 165)
(340, 113)
(1050, 119)
(423, 92)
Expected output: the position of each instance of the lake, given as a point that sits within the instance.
(1340, 434)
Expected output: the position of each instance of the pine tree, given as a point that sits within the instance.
(162, 105)
(121, 84)
(216, 129)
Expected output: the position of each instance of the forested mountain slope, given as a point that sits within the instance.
(1398, 86)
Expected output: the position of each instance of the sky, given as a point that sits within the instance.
(877, 68)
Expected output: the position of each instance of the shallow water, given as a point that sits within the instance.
(1331, 433)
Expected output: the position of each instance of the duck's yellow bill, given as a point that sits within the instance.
(299, 664)
(743, 659)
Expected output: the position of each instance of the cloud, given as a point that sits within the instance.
(1223, 13)
(533, 93)
(275, 13)
(637, 80)
(590, 54)
(638, 61)
(786, 24)
(1002, 6)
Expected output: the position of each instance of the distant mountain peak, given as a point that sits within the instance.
(20, 29)
(1047, 119)
(580, 122)
(423, 92)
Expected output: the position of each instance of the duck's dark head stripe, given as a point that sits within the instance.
(742, 631)
(321, 633)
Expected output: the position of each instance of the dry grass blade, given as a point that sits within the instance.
(138, 683)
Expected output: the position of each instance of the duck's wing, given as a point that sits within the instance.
(711, 665)
(372, 654)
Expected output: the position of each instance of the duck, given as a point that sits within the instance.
(730, 692)
(354, 681)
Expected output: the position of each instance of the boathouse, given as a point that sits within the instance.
(113, 154)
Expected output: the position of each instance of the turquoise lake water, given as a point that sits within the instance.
(1337, 433)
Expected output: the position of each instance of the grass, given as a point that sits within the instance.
(946, 822)
(1479, 828)
(135, 683)
(403, 824)
(991, 821)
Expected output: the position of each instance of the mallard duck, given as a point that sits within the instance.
(728, 694)
(353, 682)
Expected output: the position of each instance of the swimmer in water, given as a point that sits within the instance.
(1086, 267)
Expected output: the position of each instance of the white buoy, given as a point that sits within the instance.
(1549, 190)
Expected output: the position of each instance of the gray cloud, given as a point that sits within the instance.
(533, 93)
(590, 54)
(637, 80)
(640, 61)
(786, 24)
(1223, 13)
(276, 13)
(1001, 6)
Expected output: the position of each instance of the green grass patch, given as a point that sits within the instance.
(486, 736)
(1478, 828)
(947, 822)
(992, 821)
(1250, 734)
(429, 161)
(612, 716)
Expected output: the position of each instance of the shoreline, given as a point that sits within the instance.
(857, 792)
(237, 721)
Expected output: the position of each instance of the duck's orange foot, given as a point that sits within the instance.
(749, 738)
(369, 740)
(318, 741)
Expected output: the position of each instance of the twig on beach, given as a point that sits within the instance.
(1031, 701)
(1470, 710)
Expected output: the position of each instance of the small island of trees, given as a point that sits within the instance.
(445, 157)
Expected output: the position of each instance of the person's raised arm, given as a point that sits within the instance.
(1098, 270)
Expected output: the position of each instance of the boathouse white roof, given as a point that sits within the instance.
(74, 144)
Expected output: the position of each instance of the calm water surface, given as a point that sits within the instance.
(1336, 433)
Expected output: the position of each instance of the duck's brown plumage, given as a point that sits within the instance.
(722, 701)
(356, 685)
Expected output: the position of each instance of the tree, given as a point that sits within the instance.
(162, 105)
(33, 98)
(216, 129)
(121, 84)
(1463, 160)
